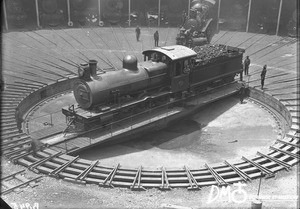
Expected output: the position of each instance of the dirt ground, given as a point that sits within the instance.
(224, 130)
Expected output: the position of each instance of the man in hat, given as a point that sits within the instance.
(156, 38)
(138, 33)
(246, 65)
(263, 76)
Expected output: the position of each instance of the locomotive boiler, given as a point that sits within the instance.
(167, 74)
(91, 90)
(199, 28)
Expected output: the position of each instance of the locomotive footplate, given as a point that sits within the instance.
(105, 114)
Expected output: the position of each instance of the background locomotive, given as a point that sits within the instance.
(167, 74)
(199, 28)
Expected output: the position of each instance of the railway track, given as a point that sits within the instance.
(17, 181)
(283, 155)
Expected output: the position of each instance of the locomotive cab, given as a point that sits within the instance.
(179, 60)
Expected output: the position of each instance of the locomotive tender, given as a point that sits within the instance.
(167, 73)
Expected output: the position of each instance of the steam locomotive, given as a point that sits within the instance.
(200, 27)
(167, 73)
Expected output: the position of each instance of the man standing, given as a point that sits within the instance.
(263, 76)
(138, 33)
(156, 38)
(246, 65)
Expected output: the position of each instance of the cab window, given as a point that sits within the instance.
(178, 69)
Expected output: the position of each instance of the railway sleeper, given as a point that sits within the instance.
(5, 128)
(107, 182)
(13, 135)
(18, 91)
(8, 110)
(11, 100)
(12, 146)
(48, 164)
(95, 169)
(8, 104)
(192, 181)
(277, 161)
(293, 155)
(56, 171)
(10, 96)
(75, 165)
(8, 123)
(9, 133)
(8, 116)
(40, 162)
(164, 180)
(14, 94)
(15, 154)
(84, 173)
(216, 176)
(137, 180)
(289, 143)
(238, 171)
(268, 173)
(9, 141)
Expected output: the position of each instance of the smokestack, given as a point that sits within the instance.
(93, 67)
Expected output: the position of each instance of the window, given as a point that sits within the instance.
(178, 69)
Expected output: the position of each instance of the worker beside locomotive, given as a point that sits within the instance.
(167, 72)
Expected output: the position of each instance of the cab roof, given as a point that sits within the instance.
(174, 52)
